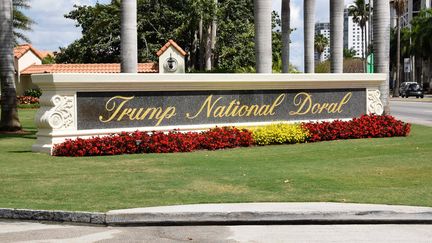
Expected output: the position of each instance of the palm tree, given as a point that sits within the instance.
(421, 36)
(21, 21)
(309, 34)
(129, 36)
(349, 53)
(381, 33)
(321, 42)
(9, 113)
(399, 6)
(336, 35)
(286, 30)
(360, 13)
(263, 35)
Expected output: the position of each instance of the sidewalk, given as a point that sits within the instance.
(240, 213)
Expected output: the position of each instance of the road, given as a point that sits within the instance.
(11, 231)
(416, 112)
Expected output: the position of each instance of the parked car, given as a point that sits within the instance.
(404, 85)
(411, 89)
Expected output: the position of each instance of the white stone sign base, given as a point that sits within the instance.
(56, 119)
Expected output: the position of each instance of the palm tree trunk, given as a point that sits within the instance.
(366, 45)
(398, 60)
(214, 36)
(363, 49)
(309, 35)
(263, 35)
(208, 48)
(381, 34)
(9, 113)
(129, 36)
(201, 44)
(286, 30)
(336, 35)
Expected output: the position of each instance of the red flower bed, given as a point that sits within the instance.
(23, 100)
(156, 142)
(226, 137)
(367, 126)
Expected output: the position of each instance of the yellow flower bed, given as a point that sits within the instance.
(279, 134)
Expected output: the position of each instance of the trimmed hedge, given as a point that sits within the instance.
(367, 126)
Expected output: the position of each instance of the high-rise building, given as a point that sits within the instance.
(353, 34)
(412, 9)
(323, 29)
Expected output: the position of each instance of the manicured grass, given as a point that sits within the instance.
(389, 171)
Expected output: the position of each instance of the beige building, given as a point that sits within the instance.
(25, 56)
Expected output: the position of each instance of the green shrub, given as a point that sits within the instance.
(279, 134)
(33, 93)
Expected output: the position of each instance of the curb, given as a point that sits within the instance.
(236, 214)
(53, 216)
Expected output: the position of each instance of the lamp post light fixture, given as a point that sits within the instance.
(171, 64)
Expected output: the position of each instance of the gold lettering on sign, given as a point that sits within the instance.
(118, 111)
(305, 105)
(212, 108)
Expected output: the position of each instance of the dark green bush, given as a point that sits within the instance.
(33, 93)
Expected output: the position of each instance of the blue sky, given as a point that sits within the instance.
(53, 30)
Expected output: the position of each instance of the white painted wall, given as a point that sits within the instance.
(28, 59)
(176, 55)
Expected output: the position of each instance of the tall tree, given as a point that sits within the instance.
(159, 21)
(360, 13)
(321, 42)
(236, 32)
(309, 34)
(9, 113)
(399, 6)
(422, 44)
(336, 35)
(263, 35)
(286, 31)
(349, 53)
(381, 33)
(129, 36)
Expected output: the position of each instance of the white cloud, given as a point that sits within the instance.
(52, 30)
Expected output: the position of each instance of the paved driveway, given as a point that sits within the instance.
(50, 233)
(417, 112)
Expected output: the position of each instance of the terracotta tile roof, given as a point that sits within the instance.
(20, 50)
(168, 44)
(87, 68)
(46, 53)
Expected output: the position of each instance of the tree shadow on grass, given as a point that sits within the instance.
(20, 152)
(29, 134)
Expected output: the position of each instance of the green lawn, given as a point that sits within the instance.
(389, 171)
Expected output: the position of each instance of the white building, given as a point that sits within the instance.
(412, 9)
(418, 71)
(323, 29)
(353, 34)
